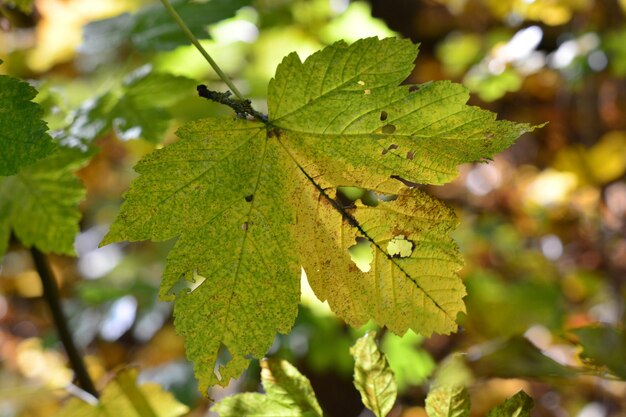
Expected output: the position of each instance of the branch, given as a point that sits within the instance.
(51, 295)
(241, 107)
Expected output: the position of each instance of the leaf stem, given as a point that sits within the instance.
(198, 46)
(51, 295)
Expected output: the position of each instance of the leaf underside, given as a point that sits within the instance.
(249, 203)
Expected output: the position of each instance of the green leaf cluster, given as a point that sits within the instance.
(289, 393)
(39, 193)
(139, 108)
(250, 202)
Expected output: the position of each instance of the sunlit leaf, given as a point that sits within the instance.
(245, 199)
(23, 139)
(372, 376)
(287, 393)
(123, 397)
(448, 401)
(519, 405)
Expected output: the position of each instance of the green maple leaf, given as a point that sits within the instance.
(287, 394)
(23, 139)
(250, 202)
(40, 203)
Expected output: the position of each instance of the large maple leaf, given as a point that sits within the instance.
(251, 201)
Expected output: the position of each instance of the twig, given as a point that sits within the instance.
(241, 107)
(51, 295)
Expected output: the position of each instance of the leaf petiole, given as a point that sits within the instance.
(200, 48)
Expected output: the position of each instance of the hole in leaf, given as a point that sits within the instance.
(389, 148)
(223, 357)
(249, 198)
(361, 254)
(410, 155)
(383, 115)
(346, 196)
(244, 226)
(367, 91)
(388, 129)
(361, 82)
(400, 247)
(186, 286)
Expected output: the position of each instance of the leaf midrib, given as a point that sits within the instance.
(353, 222)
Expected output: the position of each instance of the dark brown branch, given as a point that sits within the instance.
(51, 295)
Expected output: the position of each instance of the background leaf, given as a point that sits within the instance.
(139, 108)
(372, 376)
(448, 401)
(518, 405)
(122, 397)
(152, 29)
(288, 393)
(604, 346)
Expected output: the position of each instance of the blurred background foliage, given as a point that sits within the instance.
(543, 226)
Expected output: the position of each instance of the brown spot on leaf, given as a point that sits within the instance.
(249, 198)
(413, 88)
(389, 129)
(410, 155)
(244, 226)
(389, 148)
